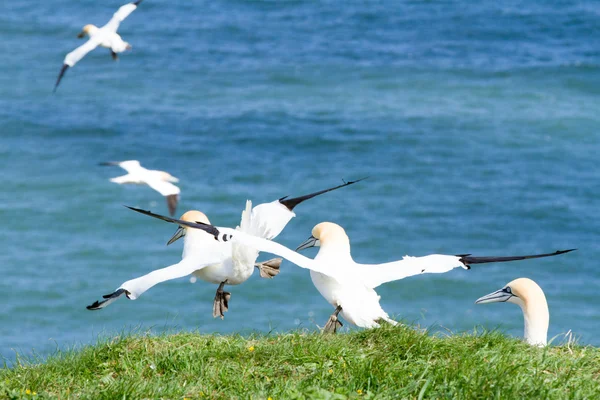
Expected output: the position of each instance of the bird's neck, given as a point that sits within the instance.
(194, 241)
(338, 249)
(537, 319)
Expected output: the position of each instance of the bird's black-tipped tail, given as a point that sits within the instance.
(291, 203)
(467, 259)
(60, 75)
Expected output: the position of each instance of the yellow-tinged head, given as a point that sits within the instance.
(326, 234)
(89, 30)
(530, 297)
(521, 291)
(189, 216)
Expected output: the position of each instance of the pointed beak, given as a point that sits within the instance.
(81, 35)
(180, 233)
(308, 243)
(173, 179)
(499, 296)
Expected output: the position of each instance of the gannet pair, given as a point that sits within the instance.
(219, 263)
(105, 36)
(530, 297)
(157, 180)
(348, 286)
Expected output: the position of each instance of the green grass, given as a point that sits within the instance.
(391, 362)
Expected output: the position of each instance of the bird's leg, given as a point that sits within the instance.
(269, 268)
(114, 55)
(221, 303)
(333, 323)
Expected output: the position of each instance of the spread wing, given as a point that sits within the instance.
(375, 275)
(210, 254)
(118, 17)
(163, 187)
(73, 57)
(167, 189)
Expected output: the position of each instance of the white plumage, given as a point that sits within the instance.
(157, 180)
(105, 36)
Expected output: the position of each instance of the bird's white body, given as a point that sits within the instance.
(343, 282)
(207, 259)
(239, 264)
(160, 181)
(105, 36)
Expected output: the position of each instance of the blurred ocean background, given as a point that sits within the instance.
(478, 124)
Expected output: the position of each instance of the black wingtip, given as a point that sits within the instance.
(467, 259)
(210, 229)
(60, 75)
(293, 202)
(137, 3)
(95, 306)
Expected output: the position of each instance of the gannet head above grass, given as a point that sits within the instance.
(530, 297)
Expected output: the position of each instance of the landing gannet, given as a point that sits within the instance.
(237, 261)
(345, 284)
(105, 36)
(157, 180)
(530, 297)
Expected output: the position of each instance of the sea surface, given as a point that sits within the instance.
(478, 125)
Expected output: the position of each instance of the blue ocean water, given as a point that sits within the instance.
(477, 124)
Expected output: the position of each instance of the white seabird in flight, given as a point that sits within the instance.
(235, 261)
(105, 36)
(160, 181)
(530, 297)
(349, 286)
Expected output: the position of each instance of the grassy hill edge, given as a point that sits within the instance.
(390, 362)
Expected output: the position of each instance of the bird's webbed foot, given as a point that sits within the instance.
(270, 268)
(221, 303)
(333, 323)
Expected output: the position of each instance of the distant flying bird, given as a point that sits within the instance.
(530, 297)
(218, 263)
(345, 284)
(157, 180)
(105, 36)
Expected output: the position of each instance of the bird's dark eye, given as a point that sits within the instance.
(508, 290)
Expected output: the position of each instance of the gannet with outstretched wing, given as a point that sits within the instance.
(347, 285)
(105, 36)
(157, 180)
(530, 297)
(238, 261)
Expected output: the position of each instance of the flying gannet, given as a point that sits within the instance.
(345, 284)
(157, 180)
(530, 297)
(235, 261)
(105, 36)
